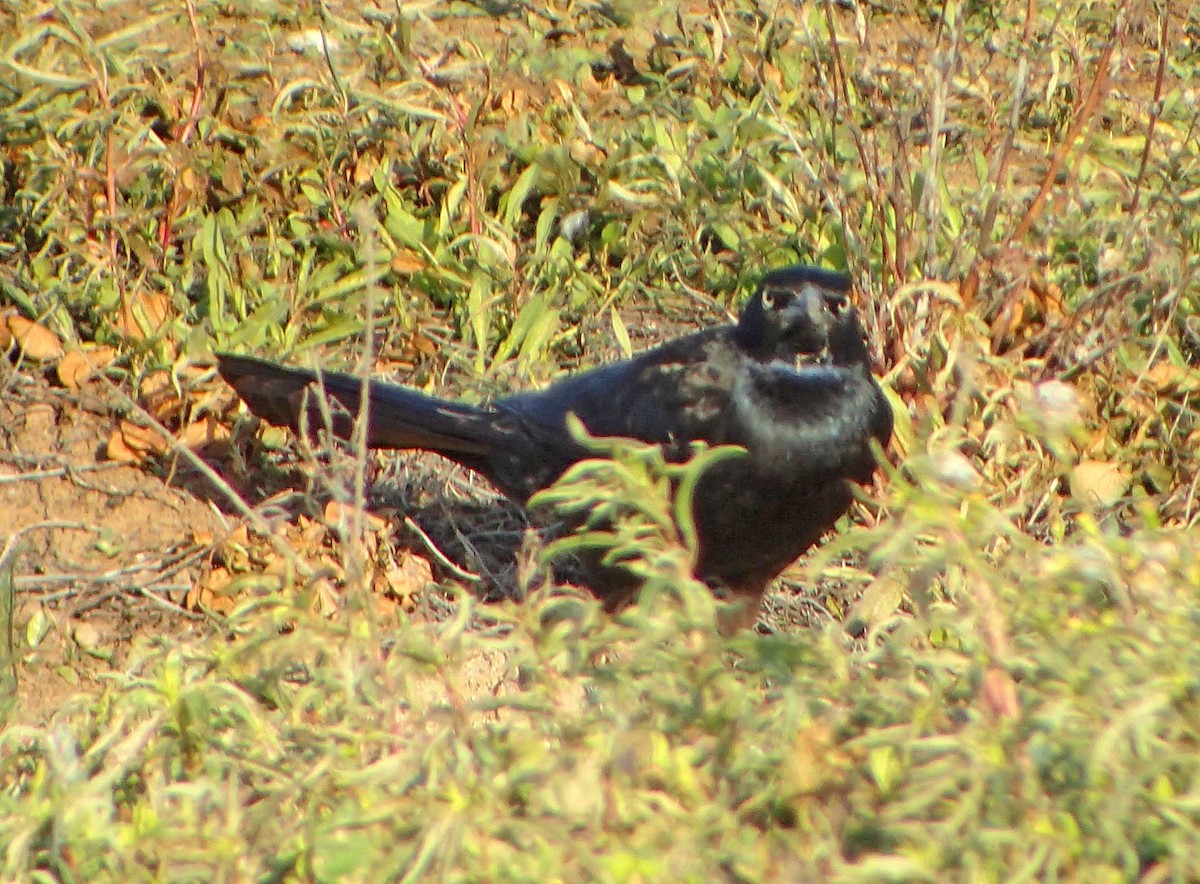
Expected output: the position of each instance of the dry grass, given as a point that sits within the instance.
(995, 675)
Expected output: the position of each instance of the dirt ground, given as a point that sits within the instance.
(98, 551)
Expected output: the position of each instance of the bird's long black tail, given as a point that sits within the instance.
(397, 417)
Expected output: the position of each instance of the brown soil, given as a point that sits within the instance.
(98, 552)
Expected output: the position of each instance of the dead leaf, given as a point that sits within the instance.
(1149, 581)
(878, 601)
(310, 534)
(1166, 377)
(211, 593)
(816, 761)
(1061, 406)
(143, 314)
(1026, 312)
(405, 580)
(77, 366)
(36, 341)
(772, 76)
(86, 635)
(586, 153)
(326, 598)
(999, 693)
(1103, 482)
(204, 432)
(407, 263)
(130, 443)
(158, 395)
(955, 470)
(234, 551)
(363, 170)
(116, 450)
(335, 512)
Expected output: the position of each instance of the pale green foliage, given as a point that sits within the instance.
(1008, 689)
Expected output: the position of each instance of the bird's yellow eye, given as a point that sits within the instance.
(768, 299)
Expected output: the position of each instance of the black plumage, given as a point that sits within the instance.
(790, 382)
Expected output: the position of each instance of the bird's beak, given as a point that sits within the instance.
(812, 301)
(808, 321)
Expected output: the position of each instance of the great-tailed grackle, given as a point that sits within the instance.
(790, 383)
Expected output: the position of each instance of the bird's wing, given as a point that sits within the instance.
(670, 395)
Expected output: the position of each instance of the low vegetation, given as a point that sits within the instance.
(992, 672)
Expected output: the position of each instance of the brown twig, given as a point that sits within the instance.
(57, 472)
(110, 181)
(1083, 119)
(868, 153)
(987, 223)
(1155, 110)
(167, 223)
(447, 562)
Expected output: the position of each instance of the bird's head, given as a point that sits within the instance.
(803, 315)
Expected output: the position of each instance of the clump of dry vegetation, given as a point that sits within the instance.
(1000, 677)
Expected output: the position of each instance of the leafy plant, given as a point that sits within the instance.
(1001, 680)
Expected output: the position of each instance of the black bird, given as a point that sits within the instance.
(791, 383)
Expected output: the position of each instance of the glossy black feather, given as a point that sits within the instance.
(807, 427)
